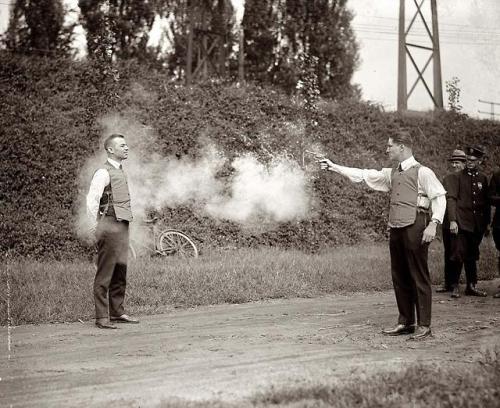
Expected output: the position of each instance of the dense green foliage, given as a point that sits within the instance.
(49, 111)
(37, 27)
(132, 22)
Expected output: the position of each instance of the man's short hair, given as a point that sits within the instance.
(110, 138)
(403, 137)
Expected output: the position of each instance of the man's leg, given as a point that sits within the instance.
(448, 264)
(417, 255)
(458, 244)
(496, 239)
(106, 260)
(118, 283)
(470, 263)
(117, 288)
(401, 278)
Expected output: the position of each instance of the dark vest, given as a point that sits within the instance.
(115, 200)
(404, 197)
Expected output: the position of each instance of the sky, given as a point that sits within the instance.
(469, 41)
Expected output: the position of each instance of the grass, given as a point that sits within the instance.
(477, 385)
(452, 386)
(62, 291)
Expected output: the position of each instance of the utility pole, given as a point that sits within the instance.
(492, 109)
(206, 43)
(405, 52)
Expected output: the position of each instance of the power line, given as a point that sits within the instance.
(393, 29)
(440, 23)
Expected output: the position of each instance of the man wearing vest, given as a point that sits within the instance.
(109, 211)
(494, 191)
(468, 208)
(417, 206)
(457, 164)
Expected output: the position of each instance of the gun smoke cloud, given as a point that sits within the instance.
(275, 191)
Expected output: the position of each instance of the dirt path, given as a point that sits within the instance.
(231, 351)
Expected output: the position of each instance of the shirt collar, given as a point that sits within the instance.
(114, 163)
(409, 162)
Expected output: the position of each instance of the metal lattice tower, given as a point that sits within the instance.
(406, 53)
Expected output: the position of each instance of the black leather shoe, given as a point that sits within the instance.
(497, 295)
(472, 291)
(104, 324)
(455, 293)
(123, 319)
(399, 330)
(421, 333)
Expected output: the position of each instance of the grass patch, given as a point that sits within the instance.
(477, 385)
(453, 386)
(62, 291)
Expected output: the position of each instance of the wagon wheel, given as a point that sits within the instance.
(176, 243)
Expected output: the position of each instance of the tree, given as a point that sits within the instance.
(132, 21)
(37, 27)
(318, 28)
(261, 40)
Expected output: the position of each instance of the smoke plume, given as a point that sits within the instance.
(275, 191)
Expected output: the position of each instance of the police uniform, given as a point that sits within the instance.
(449, 265)
(494, 193)
(468, 205)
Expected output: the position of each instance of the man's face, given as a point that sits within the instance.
(119, 148)
(457, 165)
(473, 162)
(393, 150)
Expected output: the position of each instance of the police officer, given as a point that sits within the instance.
(457, 164)
(468, 210)
(494, 190)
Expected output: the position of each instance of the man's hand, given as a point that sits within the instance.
(325, 164)
(429, 233)
(453, 227)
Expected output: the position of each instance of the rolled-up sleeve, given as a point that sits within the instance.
(434, 190)
(97, 186)
(379, 180)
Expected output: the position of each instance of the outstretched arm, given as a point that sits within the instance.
(379, 180)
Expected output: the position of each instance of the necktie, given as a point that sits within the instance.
(400, 169)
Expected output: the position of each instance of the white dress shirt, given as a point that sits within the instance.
(380, 180)
(97, 185)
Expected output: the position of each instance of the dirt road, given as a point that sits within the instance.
(231, 351)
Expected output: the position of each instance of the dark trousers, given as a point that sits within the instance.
(496, 237)
(465, 249)
(450, 266)
(111, 277)
(410, 273)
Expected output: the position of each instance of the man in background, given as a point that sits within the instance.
(109, 212)
(457, 164)
(494, 191)
(417, 206)
(468, 210)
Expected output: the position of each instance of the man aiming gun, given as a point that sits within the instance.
(417, 206)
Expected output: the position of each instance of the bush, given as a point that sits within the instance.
(49, 115)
